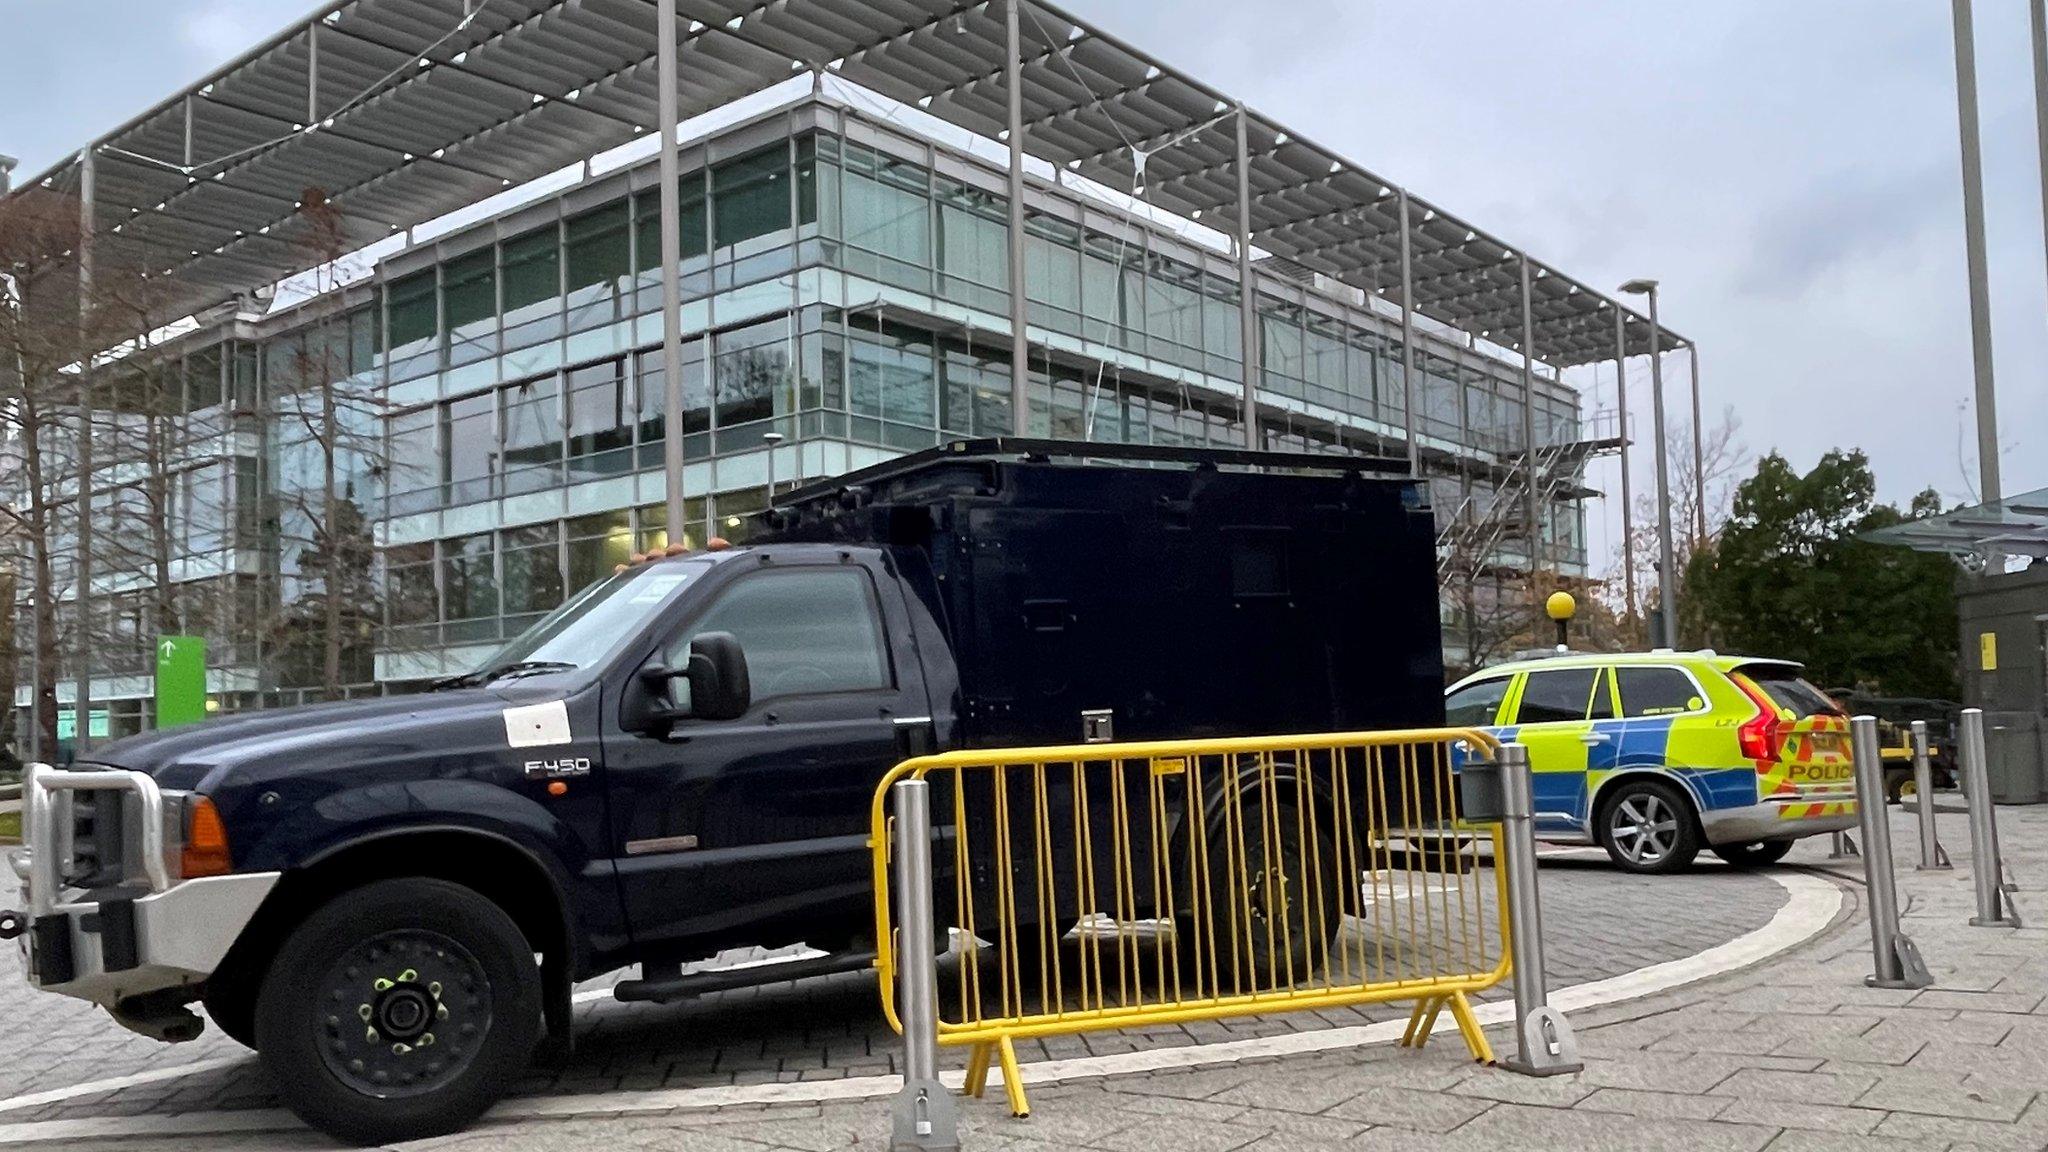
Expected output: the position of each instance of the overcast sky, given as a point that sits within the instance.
(1788, 170)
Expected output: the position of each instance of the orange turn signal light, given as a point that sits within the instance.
(206, 841)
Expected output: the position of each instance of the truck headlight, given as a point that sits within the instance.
(195, 837)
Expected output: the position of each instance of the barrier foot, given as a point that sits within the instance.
(1547, 1045)
(1475, 1036)
(922, 1119)
(1422, 1021)
(1013, 1079)
(977, 1070)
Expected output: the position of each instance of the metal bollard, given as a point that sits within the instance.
(1932, 858)
(1897, 958)
(1841, 846)
(1994, 897)
(1545, 1045)
(922, 1116)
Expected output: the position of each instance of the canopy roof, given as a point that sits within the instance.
(2015, 526)
(400, 111)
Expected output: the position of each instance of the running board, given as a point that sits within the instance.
(683, 985)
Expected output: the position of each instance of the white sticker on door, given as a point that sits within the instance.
(537, 725)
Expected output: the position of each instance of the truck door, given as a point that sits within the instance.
(746, 830)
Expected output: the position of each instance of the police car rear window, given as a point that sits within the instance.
(1655, 691)
(1788, 689)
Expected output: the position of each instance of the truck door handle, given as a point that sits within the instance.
(1595, 738)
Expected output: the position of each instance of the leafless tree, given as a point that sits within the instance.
(1725, 459)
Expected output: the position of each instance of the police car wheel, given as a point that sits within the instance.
(1756, 854)
(398, 1011)
(1648, 826)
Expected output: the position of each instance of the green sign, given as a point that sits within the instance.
(67, 723)
(180, 680)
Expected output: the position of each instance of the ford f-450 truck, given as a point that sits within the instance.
(391, 899)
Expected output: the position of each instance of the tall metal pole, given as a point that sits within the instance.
(2037, 10)
(1667, 560)
(1699, 456)
(1932, 858)
(1973, 243)
(1408, 341)
(1628, 508)
(922, 1116)
(1020, 348)
(1545, 1044)
(1247, 287)
(81, 703)
(1530, 498)
(671, 270)
(1987, 868)
(1894, 957)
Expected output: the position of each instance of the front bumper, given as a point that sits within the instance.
(1790, 817)
(112, 944)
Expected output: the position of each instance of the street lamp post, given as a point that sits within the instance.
(772, 440)
(1667, 563)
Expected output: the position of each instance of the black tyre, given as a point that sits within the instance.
(399, 1010)
(1898, 786)
(1755, 854)
(232, 1008)
(1648, 826)
(1277, 927)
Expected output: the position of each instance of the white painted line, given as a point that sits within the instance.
(117, 1083)
(1811, 905)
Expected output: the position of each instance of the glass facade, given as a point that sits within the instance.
(501, 423)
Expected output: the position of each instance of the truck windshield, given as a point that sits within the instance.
(589, 624)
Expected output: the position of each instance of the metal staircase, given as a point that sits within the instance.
(1469, 540)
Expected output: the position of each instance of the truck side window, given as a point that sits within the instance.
(804, 632)
(1557, 695)
(1476, 705)
(1654, 691)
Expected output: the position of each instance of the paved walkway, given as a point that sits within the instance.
(1790, 1055)
(1604, 923)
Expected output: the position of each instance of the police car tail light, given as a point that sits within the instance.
(1760, 737)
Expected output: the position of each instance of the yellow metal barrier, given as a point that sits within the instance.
(1104, 886)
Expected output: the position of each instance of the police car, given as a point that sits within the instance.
(1654, 756)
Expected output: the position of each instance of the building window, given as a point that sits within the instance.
(599, 268)
(597, 545)
(469, 581)
(469, 446)
(892, 387)
(974, 253)
(533, 288)
(653, 405)
(533, 437)
(469, 306)
(600, 421)
(533, 573)
(752, 383)
(410, 320)
(750, 196)
(409, 585)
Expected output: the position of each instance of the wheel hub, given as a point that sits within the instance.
(406, 1013)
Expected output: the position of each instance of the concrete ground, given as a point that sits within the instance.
(1791, 1052)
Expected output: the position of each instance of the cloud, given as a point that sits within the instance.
(223, 30)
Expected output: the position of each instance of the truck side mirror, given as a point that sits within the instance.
(717, 676)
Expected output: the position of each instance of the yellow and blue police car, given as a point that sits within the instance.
(1656, 755)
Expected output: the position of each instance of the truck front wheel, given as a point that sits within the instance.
(399, 1010)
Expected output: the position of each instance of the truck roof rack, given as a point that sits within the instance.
(1037, 450)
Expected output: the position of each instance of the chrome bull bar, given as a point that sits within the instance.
(46, 828)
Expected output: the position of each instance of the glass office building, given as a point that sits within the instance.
(496, 396)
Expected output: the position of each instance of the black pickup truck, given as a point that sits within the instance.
(391, 899)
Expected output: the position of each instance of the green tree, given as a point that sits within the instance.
(1791, 577)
